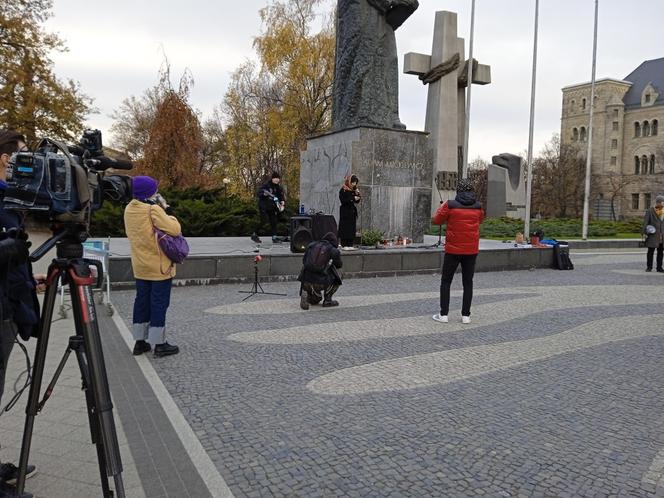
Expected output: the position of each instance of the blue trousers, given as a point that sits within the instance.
(150, 306)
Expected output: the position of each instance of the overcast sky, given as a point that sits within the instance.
(116, 49)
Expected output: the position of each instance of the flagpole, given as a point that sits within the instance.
(586, 194)
(469, 77)
(529, 190)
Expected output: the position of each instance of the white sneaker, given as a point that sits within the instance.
(440, 318)
(465, 319)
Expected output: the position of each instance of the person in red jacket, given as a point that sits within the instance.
(462, 216)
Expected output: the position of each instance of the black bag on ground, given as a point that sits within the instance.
(561, 259)
(317, 257)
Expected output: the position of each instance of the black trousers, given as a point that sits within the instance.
(271, 216)
(660, 256)
(315, 291)
(450, 264)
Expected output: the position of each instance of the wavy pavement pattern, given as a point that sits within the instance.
(444, 367)
(539, 299)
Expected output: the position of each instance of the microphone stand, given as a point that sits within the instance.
(440, 227)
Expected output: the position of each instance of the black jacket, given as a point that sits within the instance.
(266, 194)
(18, 295)
(330, 275)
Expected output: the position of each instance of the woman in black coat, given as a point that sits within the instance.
(349, 195)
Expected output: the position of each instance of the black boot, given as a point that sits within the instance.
(329, 303)
(165, 349)
(141, 347)
(304, 300)
(255, 238)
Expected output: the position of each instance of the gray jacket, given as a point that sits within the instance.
(651, 218)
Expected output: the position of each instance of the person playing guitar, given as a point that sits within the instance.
(271, 202)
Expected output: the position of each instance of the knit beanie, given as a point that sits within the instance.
(144, 187)
(659, 199)
(464, 185)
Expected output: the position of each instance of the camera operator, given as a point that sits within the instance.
(19, 308)
(320, 275)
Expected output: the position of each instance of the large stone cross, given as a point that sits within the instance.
(446, 76)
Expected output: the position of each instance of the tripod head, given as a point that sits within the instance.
(68, 239)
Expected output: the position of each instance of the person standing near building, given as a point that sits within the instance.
(349, 195)
(463, 217)
(653, 229)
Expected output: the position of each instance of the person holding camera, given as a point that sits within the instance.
(653, 230)
(271, 201)
(19, 308)
(153, 271)
(319, 276)
(463, 216)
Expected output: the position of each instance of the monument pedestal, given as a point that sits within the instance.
(395, 169)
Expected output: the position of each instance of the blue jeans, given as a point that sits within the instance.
(150, 306)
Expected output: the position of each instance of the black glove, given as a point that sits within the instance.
(14, 248)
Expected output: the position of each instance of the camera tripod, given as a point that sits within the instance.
(86, 344)
(256, 287)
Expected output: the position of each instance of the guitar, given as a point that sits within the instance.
(280, 205)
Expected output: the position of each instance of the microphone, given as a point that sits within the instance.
(103, 163)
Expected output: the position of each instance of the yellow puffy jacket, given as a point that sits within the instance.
(147, 260)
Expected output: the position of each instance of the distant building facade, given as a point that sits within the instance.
(628, 140)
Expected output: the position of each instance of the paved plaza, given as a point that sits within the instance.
(556, 388)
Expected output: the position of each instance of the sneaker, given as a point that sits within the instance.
(276, 239)
(9, 472)
(165, 349)
(660, 270)
(141, 347)
(465, 319)
(648, 269)
(255, 238)
(304, 300)
(440, 318)
(330, 303)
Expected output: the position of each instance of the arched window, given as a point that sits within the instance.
(653, 127)
(575, 134)
(637, 163)
(573, 104)
(583, 104)
(582, 134)
(646, 129)
(637, 129)
(652, 164)
(644, 164)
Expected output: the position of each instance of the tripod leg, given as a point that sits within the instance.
(32, 407)
(85, 317)
(79, 348)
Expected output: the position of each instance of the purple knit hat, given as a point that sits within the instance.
(144, 187)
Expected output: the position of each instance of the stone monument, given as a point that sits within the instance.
(506, 188)
(367, 138)
(447, 76)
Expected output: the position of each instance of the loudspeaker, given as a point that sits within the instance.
(300, 233)
(321, 224)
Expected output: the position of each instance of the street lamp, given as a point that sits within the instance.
(226, 181)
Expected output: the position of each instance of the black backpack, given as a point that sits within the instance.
(317, 257)
(562, 260)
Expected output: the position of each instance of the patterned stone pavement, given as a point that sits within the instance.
(556, 388)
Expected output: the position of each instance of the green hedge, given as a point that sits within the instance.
(202, 213)
(556, 228)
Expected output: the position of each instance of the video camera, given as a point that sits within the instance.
(66, 181)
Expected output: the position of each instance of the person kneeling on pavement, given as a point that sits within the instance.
(319, 276)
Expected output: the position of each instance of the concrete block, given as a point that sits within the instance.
(290, 264)
(416, 260)
(381, 262)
